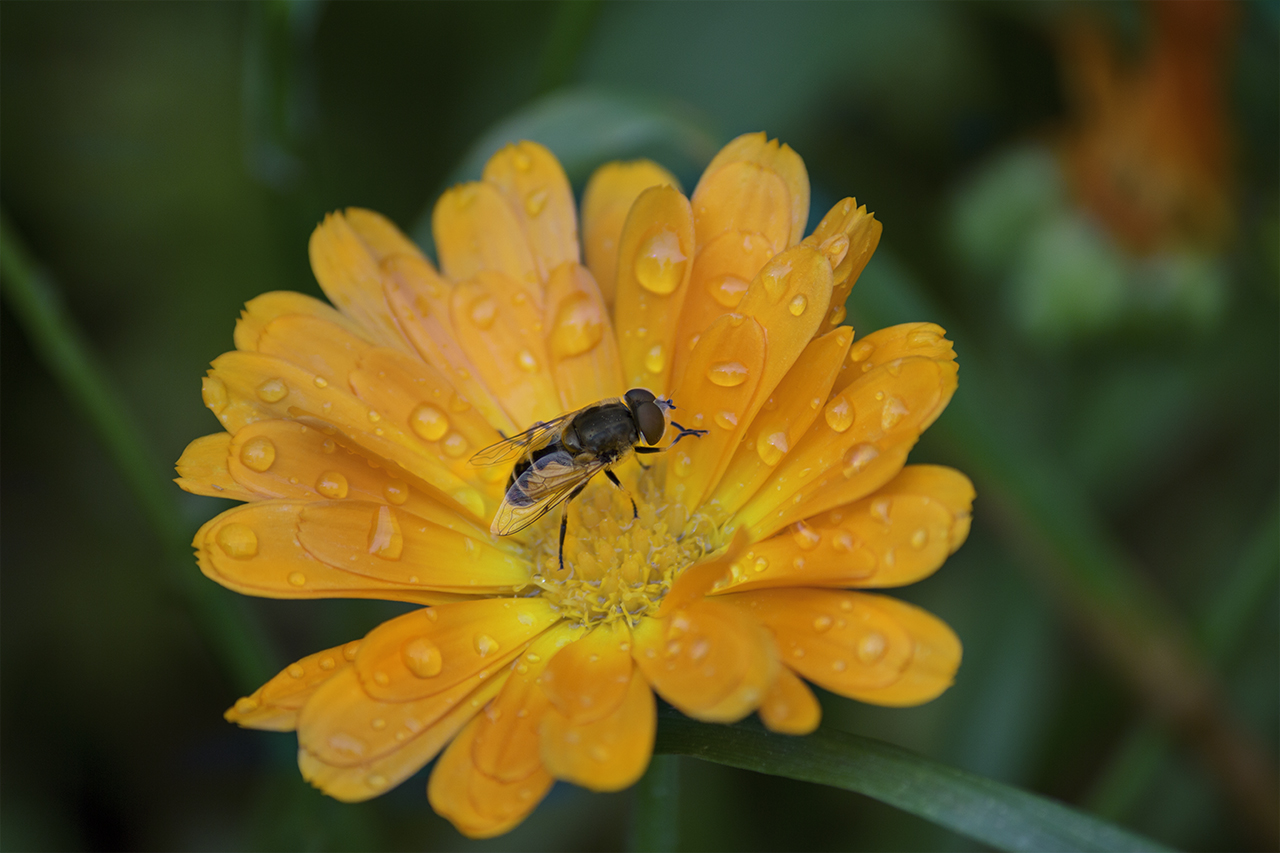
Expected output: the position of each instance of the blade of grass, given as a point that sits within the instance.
(1047, 518)
(1002, 816)
(33, 298)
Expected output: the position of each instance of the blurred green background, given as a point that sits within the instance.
(1118, 410)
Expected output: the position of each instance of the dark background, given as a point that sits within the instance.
(166, 162)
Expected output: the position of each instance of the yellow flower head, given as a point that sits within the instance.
(350, 430)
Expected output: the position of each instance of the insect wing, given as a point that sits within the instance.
(548, 483)
(536, 436)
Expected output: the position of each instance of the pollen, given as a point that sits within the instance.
(618, 565)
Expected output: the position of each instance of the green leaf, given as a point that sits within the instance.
(586, 127)
(1002, 816)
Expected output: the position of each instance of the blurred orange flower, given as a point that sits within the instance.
(1150, 151)
(349, 429)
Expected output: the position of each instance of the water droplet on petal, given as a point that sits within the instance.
(526, 361)
(258, 454)
(396, 492)
(771, 448)
(470, 500)
(727, 290)
(237, 541)
(871, 647)
(214, 393)
(684, 464)
(350, 649)
(655, 360)
(296, 670)
(332, 484)
(297, 579)
(273, 391)
(839, 665)
(321, 382)
(698, 650)
(428, 422)
(578, 326)
(924, 337)
(798, 304)
(484, 310)
(726, 420)
(246, 705)
(328, 446)
(535, 201)
(727, 374)
(660, 264)
(894, 409)
(880, 510)
(837, 315)
(377, 780)
(861, 351)
(822, 624)
(774, 278)
(485, 645)
(327, 663)
(835, 248)
(858, 458)
(839, 414)
(842, 541)
(385, 539)
(422, 657)
(455, 445)
(806, 538)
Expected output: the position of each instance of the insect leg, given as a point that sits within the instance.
(564, 517)
(613, 478)
(696, 433)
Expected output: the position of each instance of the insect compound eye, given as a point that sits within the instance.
(638, 396)
(651, 420)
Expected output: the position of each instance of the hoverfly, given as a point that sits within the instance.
(556, 459)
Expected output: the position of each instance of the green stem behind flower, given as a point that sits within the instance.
(655, 826)
(57, 340)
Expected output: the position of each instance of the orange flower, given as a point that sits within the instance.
(349, 432)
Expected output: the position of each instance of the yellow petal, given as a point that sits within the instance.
(288, 459)
(427, 651)
(778, 301)
(587, 679)
(360, 782)
(243, 388)
(655, 253)
(745, 201)
(867, 647)
(792, 408)
(388, 544)
(714, 663)
(896, 536)
(606, 754)
(343, 726)
(883, 346)
(610, 192)
(723, 377)
(348, 274)
(274, 706)
(536, 188)
(847, 236)
(501, 331)
(254, 549)
(790, 708)
(477, 804)
(506, 737)
(415, 397)
(477, 230)
(381, 238)
(838, 462)
(751, 204)
(420, 299)
(324, 348)
(261, 310)
(580, 339)
(202, 470)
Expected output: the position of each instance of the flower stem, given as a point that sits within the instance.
(59, 343)
(656, 816)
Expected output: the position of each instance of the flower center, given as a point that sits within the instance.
(617, 565)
